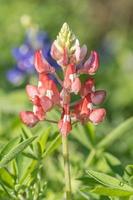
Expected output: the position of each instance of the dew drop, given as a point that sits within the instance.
(121, 184)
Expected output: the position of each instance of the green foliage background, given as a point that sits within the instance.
(106, 26)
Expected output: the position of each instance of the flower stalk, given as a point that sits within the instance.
(65, 149)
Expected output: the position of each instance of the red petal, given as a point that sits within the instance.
(85, 110)
(98, 97)
(87, 87)
(46, 103)
(97, 115)
(41, 64)
(29, 118)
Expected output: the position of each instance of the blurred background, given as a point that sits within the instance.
(103, 25)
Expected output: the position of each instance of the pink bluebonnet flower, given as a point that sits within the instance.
(73, 60)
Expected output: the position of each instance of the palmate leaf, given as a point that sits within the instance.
(15, 151)
(107, 185)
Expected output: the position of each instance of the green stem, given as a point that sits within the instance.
(66, 167)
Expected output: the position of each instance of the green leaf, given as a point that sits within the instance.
(15, 151)
(129, 170)
(6, 149)
(110, 182)
(85, 139)
(43, 139)
(6, 178)
(27, 134)
(53, 145)
(90, 130)
(116, 133)
(107, 180)
(29, 155)
(110, 191)
(30, 168)
(114, 164)
(88, 181)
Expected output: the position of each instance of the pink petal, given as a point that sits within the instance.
(76, 86)
(65, 127)
(32, 92)
(97, 115)
(92, 64)
(46, 103)
(55, 53)
(39, 112)
(98, 97)
(41, 64)
(29, 118)
(83, 52)
(65, 97)
(69, 70)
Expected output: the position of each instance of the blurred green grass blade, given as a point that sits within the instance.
(27, 134)
(6, 190)
(6, 178)
(80, 134)
(15, 151)
(129, 170)
(9, 146)
(52, 146)
(15, 170)
(43, 138)
(114, 163)
(90, 130)
(28, 172)
(116, 133)
(39, 150)
(109, 181)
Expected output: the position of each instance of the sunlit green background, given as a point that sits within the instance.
(106, 26)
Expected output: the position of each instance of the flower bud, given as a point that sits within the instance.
(97, 115)
(98, 97)
(29, 118)
(91, 65)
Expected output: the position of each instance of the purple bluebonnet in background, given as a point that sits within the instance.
(24, 54)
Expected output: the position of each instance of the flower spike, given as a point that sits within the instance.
(67, 52)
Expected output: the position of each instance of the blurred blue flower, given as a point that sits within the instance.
(15, 76)
(24, 55)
